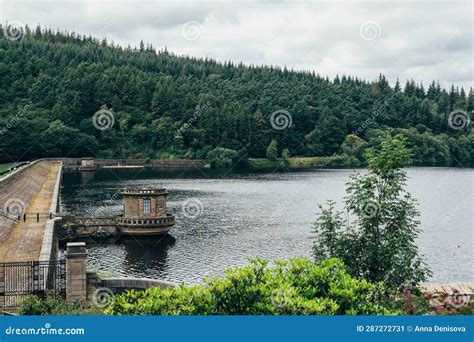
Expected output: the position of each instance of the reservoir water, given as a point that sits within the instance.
(234, 216)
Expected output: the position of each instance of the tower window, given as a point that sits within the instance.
(146, 205)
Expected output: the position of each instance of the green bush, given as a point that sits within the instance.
(285, 156)
(375, 234)
(353, 149)
(272, 151)
(294, 287)
(53, 305)
(222, 157)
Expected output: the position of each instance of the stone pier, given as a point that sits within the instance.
(76, 255)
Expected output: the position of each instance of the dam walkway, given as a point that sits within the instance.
(28, 201)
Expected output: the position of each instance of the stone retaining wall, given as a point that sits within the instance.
(75, 163)
(136, 283)
(49, 245)
(76, 227)
(117, 285)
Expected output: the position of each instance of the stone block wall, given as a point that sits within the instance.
(76, 163)
(159, 205)
(73, 227)
(49, 246)
(117, 285)
(133, 206)
(76, 281)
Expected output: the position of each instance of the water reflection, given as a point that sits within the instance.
(147, 254)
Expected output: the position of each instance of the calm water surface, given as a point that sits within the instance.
(260, 215)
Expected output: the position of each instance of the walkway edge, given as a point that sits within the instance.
(46, 253)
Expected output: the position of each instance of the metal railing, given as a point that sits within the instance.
(19, 280)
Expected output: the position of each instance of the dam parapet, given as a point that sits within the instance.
(92, 164)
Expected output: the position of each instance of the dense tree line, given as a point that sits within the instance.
(160, 105)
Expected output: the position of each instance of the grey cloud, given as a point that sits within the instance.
(424, 40)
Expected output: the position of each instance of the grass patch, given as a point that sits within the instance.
(5, 168)
(298, 163)
(263, 164)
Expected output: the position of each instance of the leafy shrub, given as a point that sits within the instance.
(222, 157)
(353, 149)
(294, 287)
(272, 151)
(378, 241)
(285, 156)
(53, 305)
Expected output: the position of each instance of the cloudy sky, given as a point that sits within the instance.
(423, 40)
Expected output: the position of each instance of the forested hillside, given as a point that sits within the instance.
(66, 95)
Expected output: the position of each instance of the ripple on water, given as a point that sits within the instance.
(268, 216)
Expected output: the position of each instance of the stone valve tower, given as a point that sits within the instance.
(145, 212)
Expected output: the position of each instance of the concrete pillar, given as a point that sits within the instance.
(76, 283)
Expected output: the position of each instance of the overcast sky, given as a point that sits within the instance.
(424, 40)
